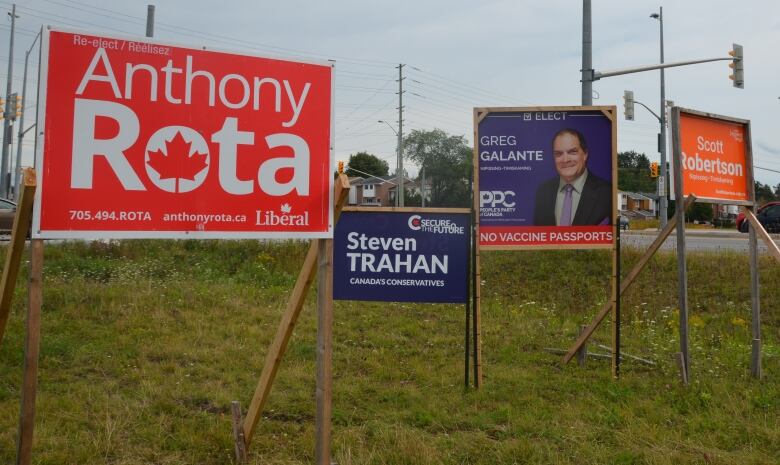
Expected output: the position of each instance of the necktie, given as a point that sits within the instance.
(566, 211)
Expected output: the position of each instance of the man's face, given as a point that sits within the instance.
(569, 157)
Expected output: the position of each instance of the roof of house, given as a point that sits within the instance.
(376, 180)
(640, 196)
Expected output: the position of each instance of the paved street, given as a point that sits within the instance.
(712, 240)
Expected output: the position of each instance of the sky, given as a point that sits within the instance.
(458, 55)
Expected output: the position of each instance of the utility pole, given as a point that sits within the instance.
(587, 54)
(664, 195)
(399, 198)
(150, 21)
(22, 131)
(8, 110)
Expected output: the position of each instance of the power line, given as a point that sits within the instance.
(66, 20)
(466, 86)
(766, 169)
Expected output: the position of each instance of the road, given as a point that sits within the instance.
(694, 240)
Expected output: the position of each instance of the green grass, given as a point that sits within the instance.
(644, 224)
(146, 343)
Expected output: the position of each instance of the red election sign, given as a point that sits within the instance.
(144, 139)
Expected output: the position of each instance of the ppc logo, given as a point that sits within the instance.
(415, 222)
(496, 198)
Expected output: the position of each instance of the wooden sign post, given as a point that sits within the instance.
(19, 233)
(32, 344)
(625, 283)
(319, 257)
(324, 393)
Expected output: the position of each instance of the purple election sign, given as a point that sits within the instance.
(401, 256)
(522, 199)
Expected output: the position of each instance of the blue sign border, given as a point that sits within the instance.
(402, 256)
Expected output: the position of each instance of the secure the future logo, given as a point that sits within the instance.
(438, 226)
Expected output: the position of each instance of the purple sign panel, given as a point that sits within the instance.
(545, 177)
(401, 256)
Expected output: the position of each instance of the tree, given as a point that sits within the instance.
(764, 193)
(634, 172)
(699, 212)
(364, 164)
(446, 160)
(696, 212)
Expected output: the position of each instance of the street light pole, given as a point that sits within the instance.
(22, 131)
(664, 198)
(587, 54)
(7, 130)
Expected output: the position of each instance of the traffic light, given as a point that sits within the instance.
(341, 167)
(14, 106)
(2, 110)
(738, 67)
(654, 169)
(628, 97)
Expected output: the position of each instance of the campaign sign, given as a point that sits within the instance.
(714, 155)
(401, 256)
(143, 139)
(545, 177)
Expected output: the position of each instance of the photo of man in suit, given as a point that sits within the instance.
(576, 197)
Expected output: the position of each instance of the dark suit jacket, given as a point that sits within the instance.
(595, 203)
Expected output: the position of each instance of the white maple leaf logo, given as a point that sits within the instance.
(286, 208)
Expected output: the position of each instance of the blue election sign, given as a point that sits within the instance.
(401, 257)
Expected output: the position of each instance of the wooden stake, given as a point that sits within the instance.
(582, 352)
(238, 432)
(13, 257)
(294, 306)
(756, 225)
(626, 283)
(275, 353)
(680, 358)
(324, 393)
(31, 352)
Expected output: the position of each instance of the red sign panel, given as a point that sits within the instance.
(148, 140)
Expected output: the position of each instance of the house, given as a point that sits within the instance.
(352, 198)
(374, 191)
(725, 212)
(414, 187)
(638, 205)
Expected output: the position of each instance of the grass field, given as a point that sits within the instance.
(145, 344)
